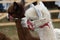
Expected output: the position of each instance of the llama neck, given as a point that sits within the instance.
(47, 33)
(20, 30)
(23, 33)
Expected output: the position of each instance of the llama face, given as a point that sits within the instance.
(16, 10)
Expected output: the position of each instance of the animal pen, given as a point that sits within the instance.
(9, 28)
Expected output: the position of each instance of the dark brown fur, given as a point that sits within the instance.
(16, 10)
(3, 37)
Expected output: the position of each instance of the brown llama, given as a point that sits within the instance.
(17, 10)
(4, 37)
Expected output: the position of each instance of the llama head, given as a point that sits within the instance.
(16, 10)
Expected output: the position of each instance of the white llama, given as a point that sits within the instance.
(42, 23)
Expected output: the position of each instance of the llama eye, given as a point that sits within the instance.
(15, 7)
(9, 12)
(31, 19)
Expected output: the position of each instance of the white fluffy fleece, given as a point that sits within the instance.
(45, 33)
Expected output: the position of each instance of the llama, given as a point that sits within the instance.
(42, 23)
(16, 10)
(57, 31)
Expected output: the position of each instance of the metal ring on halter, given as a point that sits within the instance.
(16, 18)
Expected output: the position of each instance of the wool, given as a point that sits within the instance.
(45, 33)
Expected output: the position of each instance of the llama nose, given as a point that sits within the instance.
(10, 18)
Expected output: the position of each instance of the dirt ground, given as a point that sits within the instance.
(10, 31)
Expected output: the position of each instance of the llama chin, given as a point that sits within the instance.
(45, 33)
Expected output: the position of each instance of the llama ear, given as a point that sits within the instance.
(23, 2)
(15, 5)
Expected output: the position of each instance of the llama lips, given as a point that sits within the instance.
(10, 18)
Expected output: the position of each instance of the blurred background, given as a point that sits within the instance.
(9, 28)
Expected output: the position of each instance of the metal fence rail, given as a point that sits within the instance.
(28, 2)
